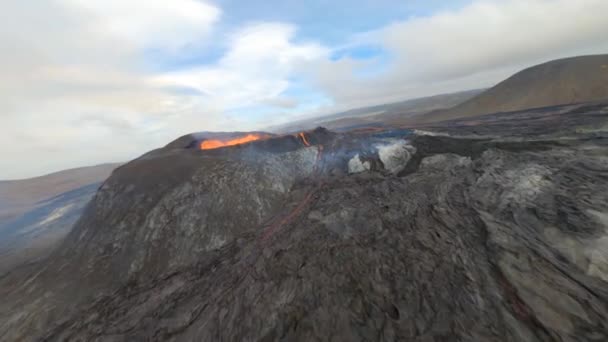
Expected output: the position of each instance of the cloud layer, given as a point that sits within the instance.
(86, 82)
(472, 47)
(255, 68)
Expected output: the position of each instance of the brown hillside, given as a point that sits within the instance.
(18, 196)
(563, 81)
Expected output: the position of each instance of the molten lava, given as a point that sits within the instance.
(211, 144)
(304, 140)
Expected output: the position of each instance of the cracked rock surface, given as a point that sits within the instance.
(472, 239)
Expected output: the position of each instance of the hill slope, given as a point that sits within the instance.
(36, 213)
(380, 114)
(563, 81)
(19, 196)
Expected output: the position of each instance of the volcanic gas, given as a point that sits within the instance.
(216, 143)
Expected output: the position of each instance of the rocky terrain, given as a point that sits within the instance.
(565, 81)
(485, 229)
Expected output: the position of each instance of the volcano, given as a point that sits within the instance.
(489, 231)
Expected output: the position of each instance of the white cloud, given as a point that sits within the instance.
(255, 69)
(282, 102)
(74, 90)
(151, 23)
(490, 34)
(474, 46)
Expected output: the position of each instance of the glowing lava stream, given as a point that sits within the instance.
(304, 140)
(215, 143)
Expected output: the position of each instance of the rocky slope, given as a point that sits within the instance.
(565, 81)
(500, 234)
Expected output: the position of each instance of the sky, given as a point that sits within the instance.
(84, 82)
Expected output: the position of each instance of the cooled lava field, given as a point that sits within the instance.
(492, 228)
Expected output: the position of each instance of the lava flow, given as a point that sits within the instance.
(211, 144)
(304, 140)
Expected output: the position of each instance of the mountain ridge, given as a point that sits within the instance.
(558, 82)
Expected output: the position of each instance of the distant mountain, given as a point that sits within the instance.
(19, 196)
(37, 213)
(559, 82)
(380, 114)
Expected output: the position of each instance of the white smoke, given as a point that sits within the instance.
(394, 155)
(356, 166)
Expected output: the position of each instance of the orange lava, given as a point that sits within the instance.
(308, 198)
(304, 140)
(211, 144)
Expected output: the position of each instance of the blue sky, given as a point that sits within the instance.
(122, 77)
(331, 22)
(334, 24)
